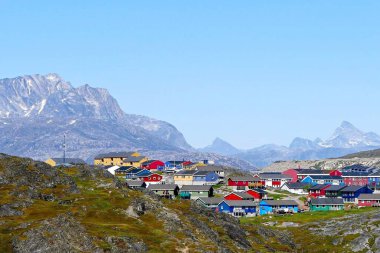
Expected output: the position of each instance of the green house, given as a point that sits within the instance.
(196, 191)
(169, 191)
(326, 204)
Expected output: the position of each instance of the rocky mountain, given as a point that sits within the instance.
(36, 111)
(346, 139)
(222, 147)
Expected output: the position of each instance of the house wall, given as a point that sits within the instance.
(254, 194)
(223, 207)
(135, 164)
(298, 191)
(183, 180)
(154, 165)
(336, 173)
(368, 203)
(293, 173)
(319, 193)
(196, 195)
(374, 181)
(326, 207)
(266, 209)
(170, 193)
(362, 181)
(351, 197)
(333, 194)
(153, 178)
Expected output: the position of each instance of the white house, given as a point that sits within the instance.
(296, 188)
(112, 169)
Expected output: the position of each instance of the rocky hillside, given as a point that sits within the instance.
(87, 210)
(365, 154)
(44, 209)
(324, 164)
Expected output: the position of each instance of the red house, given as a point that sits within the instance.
(369, 200)
(355, 178)
(152, 165)
(257, 194)
(240, 183)
(299, 174)
(153, 178)
(238, 196)
(318, 190)
(335, 173)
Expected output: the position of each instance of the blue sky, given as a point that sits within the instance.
(250, 72)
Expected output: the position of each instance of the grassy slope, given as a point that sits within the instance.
(305, 239)
(99, 210)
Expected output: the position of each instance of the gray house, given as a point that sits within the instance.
(196, 191)
(169, 191)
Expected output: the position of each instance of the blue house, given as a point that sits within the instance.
(122, 171)
(177, 165)
(132, 173)
(374, 180)
(238, 208)
(351, 193)
(323, 179)
(143, 173)
(205, 178)
(274, 206)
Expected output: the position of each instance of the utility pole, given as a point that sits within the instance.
(64, 148)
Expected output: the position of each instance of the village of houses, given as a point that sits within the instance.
(243, 195)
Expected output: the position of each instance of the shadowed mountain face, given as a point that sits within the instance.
(36, 110)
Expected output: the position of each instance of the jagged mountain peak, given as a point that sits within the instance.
(347, 125)
(348, 136)
(35, 100)
(220, 146)
(302, 144)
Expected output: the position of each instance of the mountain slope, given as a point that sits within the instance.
(37, 110)
(220, 146)
(364, 154)
(346, 139)
(348, 136)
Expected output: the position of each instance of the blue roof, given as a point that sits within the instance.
(144, 173)
(134, 171)
(125, 168)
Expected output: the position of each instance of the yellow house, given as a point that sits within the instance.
(184, 177)
(60, 161)
(115, 158)
(134, 161)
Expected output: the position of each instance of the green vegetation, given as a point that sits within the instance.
(306, 217)
(277, 196)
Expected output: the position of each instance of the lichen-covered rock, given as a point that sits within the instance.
(60, 234)
(126, 245)
(7, 210)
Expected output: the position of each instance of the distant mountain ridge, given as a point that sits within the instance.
(36, 110)
(220, 146)
(346, 139)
